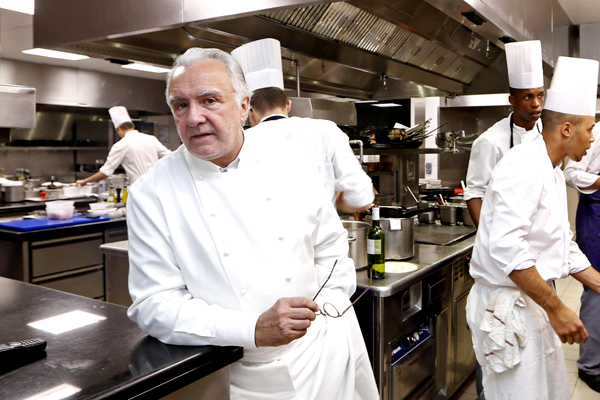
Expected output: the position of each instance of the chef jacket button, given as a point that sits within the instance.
(280, 238)
(288, 278)
(200, 177)
(212, 214)
(269, 198)
(244, 291)
(226, 253)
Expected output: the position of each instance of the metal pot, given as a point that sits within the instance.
(448, 215)
(399, 238)
(12, 194)
(357, 242)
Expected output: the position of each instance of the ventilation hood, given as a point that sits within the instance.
(362, 49)
(17, 106)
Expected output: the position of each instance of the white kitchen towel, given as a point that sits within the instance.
(506, 328)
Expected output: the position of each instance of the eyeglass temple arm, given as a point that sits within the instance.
(326, 280)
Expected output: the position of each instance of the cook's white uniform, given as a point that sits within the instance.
(488, 149)
(524, 222)
(137, 152)
(212, 248)
(334, 158)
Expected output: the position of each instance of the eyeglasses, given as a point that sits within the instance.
(329, 309)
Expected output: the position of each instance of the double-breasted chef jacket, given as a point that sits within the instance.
(137, 152)
(333, 156)
(489, 148)
(212, 248)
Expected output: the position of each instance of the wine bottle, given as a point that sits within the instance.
(376, 247)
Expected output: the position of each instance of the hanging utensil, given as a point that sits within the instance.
(412, 194)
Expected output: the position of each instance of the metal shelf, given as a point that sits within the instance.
(400, 152)
(381, 173)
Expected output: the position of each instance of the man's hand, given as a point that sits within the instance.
(80, 182)
(568, 326)
(287, 320)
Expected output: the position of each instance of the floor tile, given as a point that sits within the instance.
(571, 354)
(572, 366)
(573, 377)
(583, 392)
(468, 396)
(472, 388)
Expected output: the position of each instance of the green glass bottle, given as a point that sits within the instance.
(376, 247)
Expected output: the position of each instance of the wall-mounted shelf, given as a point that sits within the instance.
(380, 173)
(399, 152)
(46, 148)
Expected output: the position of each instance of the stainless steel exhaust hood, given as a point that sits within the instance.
(17, 106)
(364, 49)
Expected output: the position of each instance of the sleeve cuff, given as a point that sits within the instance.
(579, 264)
(519, 265)
(473, 193)
(106, 171)
(237, 328)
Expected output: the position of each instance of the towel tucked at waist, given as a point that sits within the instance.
(505, 327)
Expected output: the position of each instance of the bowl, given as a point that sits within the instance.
(101, 205)
(60, 209)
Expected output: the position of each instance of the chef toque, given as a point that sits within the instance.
(261, 62)
(119, 116)
(524, 63)
(574, 87)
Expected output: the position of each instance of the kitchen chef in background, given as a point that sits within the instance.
(524, 243)
(230, 239)
(136, 151)
(348, 186)
(584, 176)
(526, 81)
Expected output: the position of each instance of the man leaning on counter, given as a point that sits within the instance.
(524, 243)
(231, 238)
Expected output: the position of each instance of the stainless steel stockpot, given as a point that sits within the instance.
(357, 242)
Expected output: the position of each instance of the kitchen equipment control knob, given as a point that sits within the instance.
(416, 337)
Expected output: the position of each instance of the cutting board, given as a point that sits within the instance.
(45, 223)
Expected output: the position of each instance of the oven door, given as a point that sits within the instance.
(413, 375)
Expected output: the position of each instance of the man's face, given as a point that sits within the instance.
(581, 140)
(527, 103)
(207, 117)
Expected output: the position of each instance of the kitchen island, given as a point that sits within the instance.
(110, 358)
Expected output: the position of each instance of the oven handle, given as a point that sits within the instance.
(416, 354)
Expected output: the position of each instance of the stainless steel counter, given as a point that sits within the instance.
(429, 257)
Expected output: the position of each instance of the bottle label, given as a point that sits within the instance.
(373, 246)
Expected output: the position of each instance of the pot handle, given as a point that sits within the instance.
(351, 238)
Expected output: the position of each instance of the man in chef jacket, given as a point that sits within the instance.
(348, 186)
(136, 151)
(230, 239)
(584, 176)
(524, 243)
(526, 81)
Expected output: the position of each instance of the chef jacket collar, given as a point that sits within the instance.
(520, 130)
(273, 115)
(208, 167)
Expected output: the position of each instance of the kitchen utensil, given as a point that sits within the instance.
(399, 238)
(428, 217)
(448, 214)
(466, 216)
(12, 192)
(412, 194)
(357, 242)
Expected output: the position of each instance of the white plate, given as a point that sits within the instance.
(400, 267)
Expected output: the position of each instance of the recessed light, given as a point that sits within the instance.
(387, 105)
(365, 101)
(147, 68)
(24, 6)
(55, 54)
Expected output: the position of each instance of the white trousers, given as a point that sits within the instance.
(542, 372)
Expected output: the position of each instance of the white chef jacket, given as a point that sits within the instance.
(585, 172)
(524, 220)
(212, 248)
(488, 149)
(334, 158)
(137, 152)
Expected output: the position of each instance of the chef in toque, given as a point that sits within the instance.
(526, 81)
(348, 186)
(584, 176)
(136, 151)
(524, 243)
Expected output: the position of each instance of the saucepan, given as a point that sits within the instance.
(357, 242)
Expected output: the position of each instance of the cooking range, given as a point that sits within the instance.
(414, 325)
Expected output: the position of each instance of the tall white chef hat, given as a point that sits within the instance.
(119, 115)
(574, 87)
(524, 63)
(261, 62)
